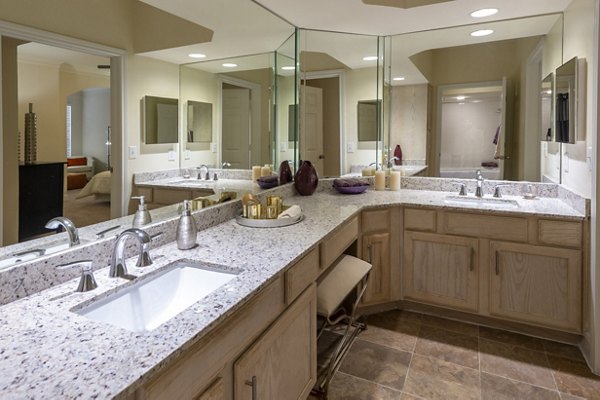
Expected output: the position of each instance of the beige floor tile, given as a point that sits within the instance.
(376, 363)
(394, 320)
(497, 388)
(511, 338)
(450, 325)
(515, 362)
(448, 346)
(435, 379)
(406, 396)
(347, 387)
(565, 396)
(575, 378)
(563, 350)
(403, 338)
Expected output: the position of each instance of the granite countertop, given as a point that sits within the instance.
(46, 351)
(191, 183)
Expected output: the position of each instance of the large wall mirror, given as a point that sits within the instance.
(159, 122)
(198, 122)
(338, 71)
(437, 80)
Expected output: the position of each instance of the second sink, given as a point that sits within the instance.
(484, 201)
(147, 304)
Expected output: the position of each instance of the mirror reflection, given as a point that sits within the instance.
(422, 64)
(199, 122)
(160, 120)
(547, 109)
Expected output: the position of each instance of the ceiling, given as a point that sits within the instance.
(246, 27)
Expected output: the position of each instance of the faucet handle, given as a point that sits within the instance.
(463, 190)
(87, 281)
(497, 192)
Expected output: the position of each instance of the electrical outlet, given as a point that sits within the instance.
(187, 155)
(351, 147)
(213, 147)
(133, 152)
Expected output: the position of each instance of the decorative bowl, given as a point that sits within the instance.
(351, 189)
(266, 185)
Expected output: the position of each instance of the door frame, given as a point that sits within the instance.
(338, 73)
(255, 117)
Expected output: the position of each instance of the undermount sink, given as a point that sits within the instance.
(149, 303)
(482, 201)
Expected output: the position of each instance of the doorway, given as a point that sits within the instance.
(324, 138)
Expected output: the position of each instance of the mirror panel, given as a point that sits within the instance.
(429, 60)
(199, 122)
(159, 120)
(286, 100)
(569, 101)
(547, 108)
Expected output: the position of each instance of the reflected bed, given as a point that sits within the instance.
(98, 186)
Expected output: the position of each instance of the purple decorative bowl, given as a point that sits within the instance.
(266, 185)
(351, 189)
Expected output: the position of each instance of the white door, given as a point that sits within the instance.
(311, 127)
(501, 155)
(235, 125)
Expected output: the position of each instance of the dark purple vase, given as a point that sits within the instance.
(306, 179)
(285, 173)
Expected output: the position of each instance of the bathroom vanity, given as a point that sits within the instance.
(521, 267)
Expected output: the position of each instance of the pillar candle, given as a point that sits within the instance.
(379, 180)
(256, 170)
(395, 180)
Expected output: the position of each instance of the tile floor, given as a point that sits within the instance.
(409, 356)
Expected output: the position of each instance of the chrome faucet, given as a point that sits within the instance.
(117, 262)
(479, 189)
(391, 161)
(69, 226)
(200, 168)
(378, 166)
(226, 164)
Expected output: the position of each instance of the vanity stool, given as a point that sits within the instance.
(338, 296)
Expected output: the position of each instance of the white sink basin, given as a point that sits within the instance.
(147, 304)
(498, 203)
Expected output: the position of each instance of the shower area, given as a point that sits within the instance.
(472, 130)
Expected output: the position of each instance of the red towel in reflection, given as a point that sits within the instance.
(398, 154)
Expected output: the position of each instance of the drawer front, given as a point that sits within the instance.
(560, 233)
(375, 220)
(420, 220)
(202, 193)
(146, 192)
(171, 196)
(486, 226)
(301, 275)
(335, 244)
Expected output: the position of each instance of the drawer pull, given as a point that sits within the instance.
(497, 263)
(252, 383)
(472, 260)
(369, 254)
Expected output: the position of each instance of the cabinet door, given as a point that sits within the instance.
(376, 251)
(281, 364)
(441, 270)
(214, 392)
(536, 284)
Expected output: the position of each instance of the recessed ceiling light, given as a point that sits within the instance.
(197, 55)
(484, 12)
(461, 97)
(398, 78)
(482, 32)
(288, 68)
(370, 58)
(461, 104)
(229, 65)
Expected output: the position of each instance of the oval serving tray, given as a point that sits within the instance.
(268, 223)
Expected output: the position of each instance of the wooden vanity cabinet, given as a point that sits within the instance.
(375, 249)
(441, 270)
(281, 364)
(536, 284)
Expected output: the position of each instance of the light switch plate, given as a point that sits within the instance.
(213, 147)
(187, 155)
(283, 146)
(133, 152)
(351, 147)
(171, 155)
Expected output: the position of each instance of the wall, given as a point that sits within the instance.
(408, 125)
(95, 123)
(146, 76)
(579, 42)
(359, 84)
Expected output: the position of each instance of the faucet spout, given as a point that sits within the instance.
(118, 267)
(69, 226)
(207, 175)
(479, 189)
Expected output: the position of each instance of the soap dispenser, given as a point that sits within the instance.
(142, 215)
(186, 228)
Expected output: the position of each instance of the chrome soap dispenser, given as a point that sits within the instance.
(186, 228)
(142, 215)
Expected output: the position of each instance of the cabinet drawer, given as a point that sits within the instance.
(301, 275)
(420, 220)
(375, 220)
(146, 192)
(335, 244)
(486, 226)
(561, 233)
(202, 193)
(189, 376)
(171, 196)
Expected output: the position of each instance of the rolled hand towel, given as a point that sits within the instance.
(292, 212)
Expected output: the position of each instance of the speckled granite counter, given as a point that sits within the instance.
(46, 351)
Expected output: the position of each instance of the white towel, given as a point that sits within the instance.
(292, 212)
